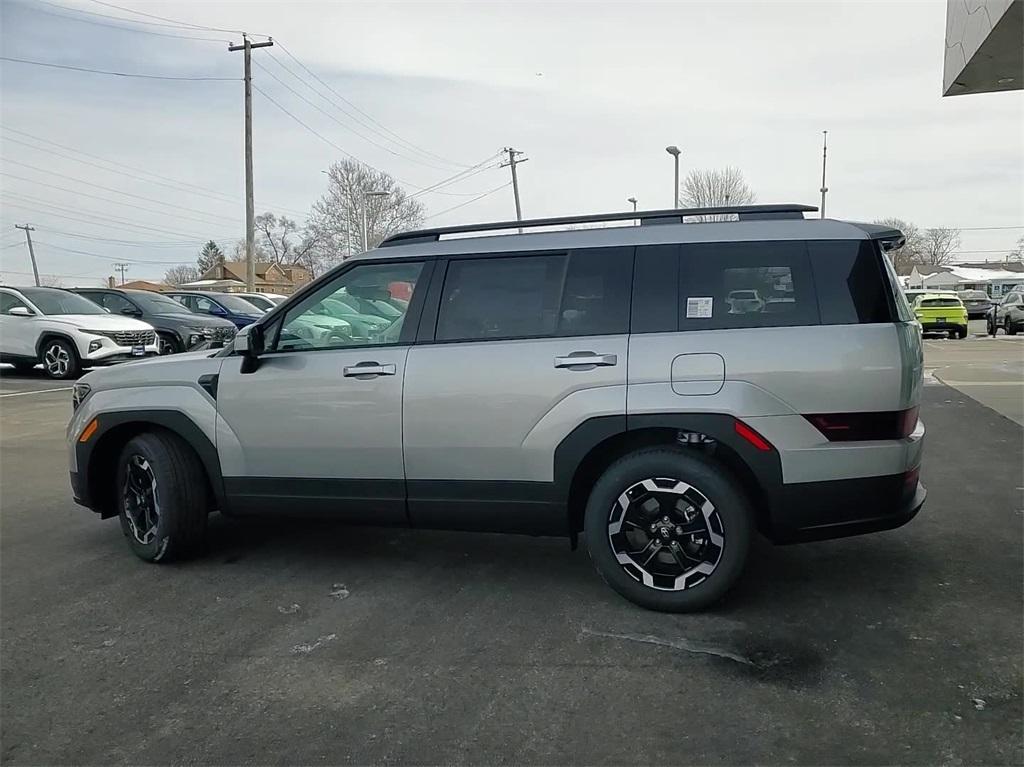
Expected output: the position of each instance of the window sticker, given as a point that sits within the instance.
(700, 307)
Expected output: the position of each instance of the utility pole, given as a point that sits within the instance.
(824, 152)
(513, 160)
(122, 268)
(250, 206)
(31, 253)
(674, 151)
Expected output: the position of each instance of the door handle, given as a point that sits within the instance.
(367, 370)
(586, 360)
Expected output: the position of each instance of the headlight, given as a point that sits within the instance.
(78, 394)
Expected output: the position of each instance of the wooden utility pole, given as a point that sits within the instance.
(31, 253)
(513, 160)
(121, 267)
(250, 206)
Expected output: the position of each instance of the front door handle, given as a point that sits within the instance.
(586, 361)
(367, 370)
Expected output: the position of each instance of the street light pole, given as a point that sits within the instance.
(366, 196)
(674, 151)
(824, 152)
(632, 200)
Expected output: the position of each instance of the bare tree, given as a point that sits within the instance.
(51, 281)
(1017, 252)
(335, 222)
(940, 245)
(715, 187)
(910, 253)
(181, 273)
(282, 242)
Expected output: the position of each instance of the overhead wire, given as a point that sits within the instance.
(93, 22)
(467, 202)
(52, 65)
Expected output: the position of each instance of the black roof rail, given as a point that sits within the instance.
(668, 216)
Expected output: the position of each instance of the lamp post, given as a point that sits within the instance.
(632, 200)
(674, 151)
(366, 196)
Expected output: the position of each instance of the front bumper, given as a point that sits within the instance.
(117, 358)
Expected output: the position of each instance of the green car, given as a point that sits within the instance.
(941, 313)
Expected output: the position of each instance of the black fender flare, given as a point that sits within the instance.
(95, 456)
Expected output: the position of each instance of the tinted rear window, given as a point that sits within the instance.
(745, 285)
(940, 302)
(849, 281)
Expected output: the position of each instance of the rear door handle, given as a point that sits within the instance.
(586, 361)
(367, 370)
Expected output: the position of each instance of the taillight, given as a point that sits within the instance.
(858, 427)
(752, 436)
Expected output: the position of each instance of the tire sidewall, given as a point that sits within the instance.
(157, 548)
(74, 366)
(170, 341)
(712, 481)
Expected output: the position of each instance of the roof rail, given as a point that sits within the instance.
(668, 216)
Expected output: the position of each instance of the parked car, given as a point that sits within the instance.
(941, 314)
(1008, 314)
(976, 302)
(560, 382)
(177, 328)
(227, 305)
(744, 301)
(66, 332)
(914, 293)
(264, 301)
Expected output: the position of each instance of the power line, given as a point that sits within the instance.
(148, 244)
(172, 22)
(380, 125)
(467, 202)
(114, 202)
(111, 189)
(116, 74)
(167, 182)
(114, 26)
(110, 222)
(111, 258)
(348, 127)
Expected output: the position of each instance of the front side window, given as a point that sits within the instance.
(334, 318)
(116, 304)
(745, 285)
(8, 302)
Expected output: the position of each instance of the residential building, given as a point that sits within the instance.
(996, 279)
(271, 277)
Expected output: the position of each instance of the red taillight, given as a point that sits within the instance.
(911, 478)
(752, 436)
(856, 427)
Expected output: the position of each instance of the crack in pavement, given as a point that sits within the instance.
(686, 645)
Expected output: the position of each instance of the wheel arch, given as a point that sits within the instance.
(594, 445)
(97, 458)
(47, 335)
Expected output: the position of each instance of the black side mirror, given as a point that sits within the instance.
(250, 344)
(131, 311)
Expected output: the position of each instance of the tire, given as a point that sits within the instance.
(60, 360)
(674, 583)
(167, 343)
(961, 333)
(952, 334)
(163, 467)
(1011, 328)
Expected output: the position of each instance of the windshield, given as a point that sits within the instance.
(50, 301)
(157, 304)
(236, 304)
(260, 302)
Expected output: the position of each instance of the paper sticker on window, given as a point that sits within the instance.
(699, 308)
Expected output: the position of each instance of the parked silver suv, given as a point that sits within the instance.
(607, 381)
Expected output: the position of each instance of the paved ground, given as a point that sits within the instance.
(325, 644)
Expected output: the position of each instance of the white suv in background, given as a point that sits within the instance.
(66, 332)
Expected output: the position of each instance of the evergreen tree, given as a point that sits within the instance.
(211, 255)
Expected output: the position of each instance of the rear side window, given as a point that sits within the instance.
(745, 285)
(583, 293)
(849, 281)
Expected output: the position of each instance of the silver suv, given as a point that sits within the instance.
(602, 381)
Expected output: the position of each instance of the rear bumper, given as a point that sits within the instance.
(817, 511)
(933, 327)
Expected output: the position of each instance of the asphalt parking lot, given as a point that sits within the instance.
(313, 643)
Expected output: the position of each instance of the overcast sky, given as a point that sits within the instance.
(591, 92)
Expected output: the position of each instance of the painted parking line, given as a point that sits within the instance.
(38, 391)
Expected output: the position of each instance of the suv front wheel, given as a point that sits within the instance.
(60, 361)
(667, 529)
(162, 497)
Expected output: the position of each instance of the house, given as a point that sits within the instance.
(996, 278)
(271, 277)
(156, 287)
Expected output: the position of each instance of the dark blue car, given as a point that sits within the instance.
(225, 305)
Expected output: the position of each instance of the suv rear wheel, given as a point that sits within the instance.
(667, 529)
(162, 498)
